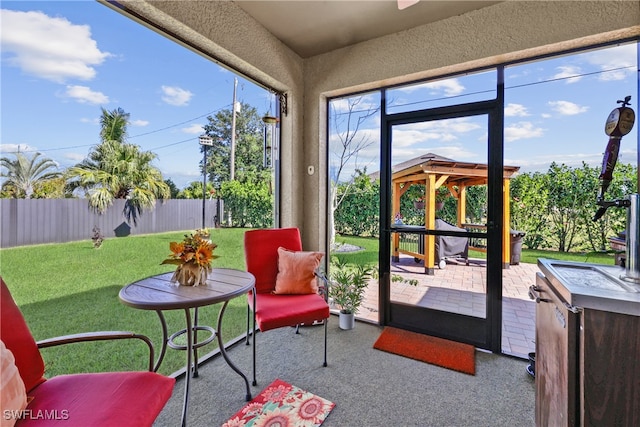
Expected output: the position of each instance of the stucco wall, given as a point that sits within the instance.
(500, 33)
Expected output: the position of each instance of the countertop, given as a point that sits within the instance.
(592, 286)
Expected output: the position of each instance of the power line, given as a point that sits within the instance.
(493, 90)
(134, 136)
(178, 124)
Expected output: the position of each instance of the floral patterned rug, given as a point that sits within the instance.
(282, 404)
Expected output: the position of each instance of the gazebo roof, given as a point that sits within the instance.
(459, 173)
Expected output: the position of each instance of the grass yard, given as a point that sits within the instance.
(72, 287)
(370, 253)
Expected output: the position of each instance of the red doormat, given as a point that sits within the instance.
(282, 404)
(437, 351)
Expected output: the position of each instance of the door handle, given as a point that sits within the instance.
(534, 295)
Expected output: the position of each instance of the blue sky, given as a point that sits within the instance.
(64, 60)
(555, 111)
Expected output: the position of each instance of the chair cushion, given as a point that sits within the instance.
(261, 253)
(13, 395)
(276, 311)
(115, 399)
(296, 272)
(16, 335)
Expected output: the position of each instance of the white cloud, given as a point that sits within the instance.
(13, 148)
(522, 130)
(515, 110)
(360, 103)
(139, 123)
(567, 108)
(49, 48)
(93, 121)
(450, 87)
(569, 72)
(174, 95)
(75, 157)
(84, 95)
(194, 129)
(410, 138)
(462, 125)
(454, 152)
(619, 59)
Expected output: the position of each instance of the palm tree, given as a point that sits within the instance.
(24, 174)
(116, 169)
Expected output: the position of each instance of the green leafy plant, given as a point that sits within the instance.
(97, 237)
(348, 284)
(442, 194)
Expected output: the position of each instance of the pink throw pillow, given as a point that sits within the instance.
(296, 272)
(13, 394)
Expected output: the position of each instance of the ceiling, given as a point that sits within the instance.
(312, 27)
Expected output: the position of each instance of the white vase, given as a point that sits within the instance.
(347, 320)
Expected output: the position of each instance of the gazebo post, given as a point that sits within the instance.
(462, 205)
(395, 209)
(506, 226)
(430, 224)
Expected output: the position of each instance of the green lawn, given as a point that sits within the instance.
(72, 287)
(370, 254)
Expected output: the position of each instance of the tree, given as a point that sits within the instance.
(194, 191)
(569, 191)
(248, 153)
(25, 174)
(358, 214)
(529, 208)
(116, 169)
(614, 221)
(349, 142)
(173, 188)
(54, 188)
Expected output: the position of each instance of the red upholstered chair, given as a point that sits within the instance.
(271, 311)
(93, 399)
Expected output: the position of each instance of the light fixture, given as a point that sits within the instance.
(403, 4)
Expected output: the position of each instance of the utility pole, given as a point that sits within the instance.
(232, 160)
(205, 141)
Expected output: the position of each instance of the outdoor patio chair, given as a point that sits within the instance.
(287, 290)
(87, 399)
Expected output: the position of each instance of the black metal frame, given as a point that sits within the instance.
(485, 333)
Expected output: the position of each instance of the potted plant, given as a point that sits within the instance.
(347, 288)
(442, 194)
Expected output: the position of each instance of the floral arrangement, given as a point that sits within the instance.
(193, 257)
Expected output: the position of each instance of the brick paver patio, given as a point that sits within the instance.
(461, 289)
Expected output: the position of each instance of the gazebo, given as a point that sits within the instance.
(433, 171)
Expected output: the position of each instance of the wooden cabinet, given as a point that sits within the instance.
(587, 363)
(610, 368)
